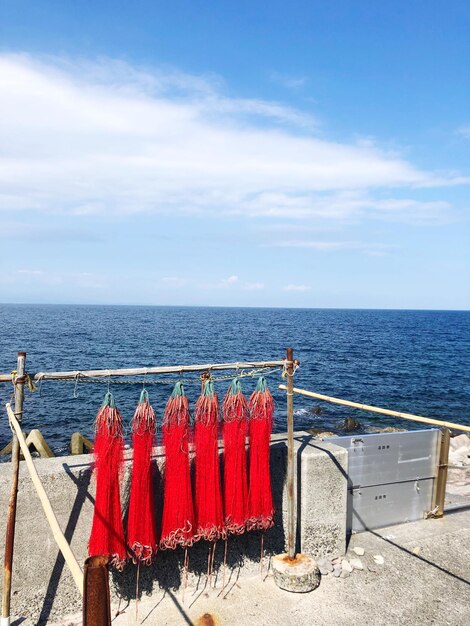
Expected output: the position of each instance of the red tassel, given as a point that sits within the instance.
(235, 412)
(208, 496)
(141, 532)
(107, 533)
(178, 514)
(260, 500)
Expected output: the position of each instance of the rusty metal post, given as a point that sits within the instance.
(290, 454)
(18, 381)
(441, 478)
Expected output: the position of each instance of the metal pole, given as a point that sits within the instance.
(290, 454)
(441, 478)
(19, 381)
(376, 409)
(144, 371)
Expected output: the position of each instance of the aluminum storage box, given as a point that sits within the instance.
(390, 477)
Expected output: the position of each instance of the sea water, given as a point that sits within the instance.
(411, 361)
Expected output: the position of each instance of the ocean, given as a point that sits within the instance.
(411, 361)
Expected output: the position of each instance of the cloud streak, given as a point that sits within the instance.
(107, 138)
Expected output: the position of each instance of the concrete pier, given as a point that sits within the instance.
(43, 590)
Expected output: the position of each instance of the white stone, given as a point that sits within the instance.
(378, 558)
(359, 551)
(346, 566)
(357, 563)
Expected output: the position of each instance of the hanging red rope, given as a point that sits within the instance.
(235, 414)
(260, 500)
(208, 496)
(107, 533)
(178, 515)
(141, 532)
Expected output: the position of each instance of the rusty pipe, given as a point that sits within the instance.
(18, 382)
(290, 454)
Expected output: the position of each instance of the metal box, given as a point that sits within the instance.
(390, 477)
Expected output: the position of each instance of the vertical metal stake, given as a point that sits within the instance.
(19, 382)
(441, 479)
(290, 454)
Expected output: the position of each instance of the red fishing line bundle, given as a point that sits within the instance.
(141, 532)
(260, 500)
(107, 533)
(235, 421)
(208, 496)
(178, 514)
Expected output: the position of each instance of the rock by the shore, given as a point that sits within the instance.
(315, 410)
(319, 433)
(459, 450)
(385, 429)
(350, 424)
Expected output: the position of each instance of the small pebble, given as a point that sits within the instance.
(346, 566)
(337, 572)
(359, 551)
(416, 550)
(329, 566)
(323, 570)
(345, 574)
(378, 558)
(356, 563)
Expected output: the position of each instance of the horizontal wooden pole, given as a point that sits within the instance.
(143, 371)
(46, 505)
(375, 409)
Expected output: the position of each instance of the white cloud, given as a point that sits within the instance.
(30, 272)
(291, 82)
(107, 138)
(174, 282)
(85, 280)
(371, 249)
(464, 131)
(231, 280)
(298, 288)
(253, 286)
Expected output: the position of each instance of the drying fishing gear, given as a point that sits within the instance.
(235, 424)
(178, 514)
(141, 529)
(107, 533)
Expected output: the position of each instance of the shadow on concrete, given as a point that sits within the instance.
(82, 483)
(168, 568)
(416, 556)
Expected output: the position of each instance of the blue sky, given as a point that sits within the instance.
(312, 154)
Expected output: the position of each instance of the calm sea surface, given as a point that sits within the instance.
(412, 361)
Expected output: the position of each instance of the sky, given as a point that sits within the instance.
(300, 154)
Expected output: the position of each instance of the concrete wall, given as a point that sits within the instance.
(43, 588)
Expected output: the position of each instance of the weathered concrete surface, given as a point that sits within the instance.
(323, 497)
(43, 588)
(407, 590)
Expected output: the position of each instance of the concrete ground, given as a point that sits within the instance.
(424, 579)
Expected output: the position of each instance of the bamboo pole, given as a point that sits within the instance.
(439, 494)
(46, 505)
(290, 453)
(142, 371)
(18, 382)
(375, 409)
